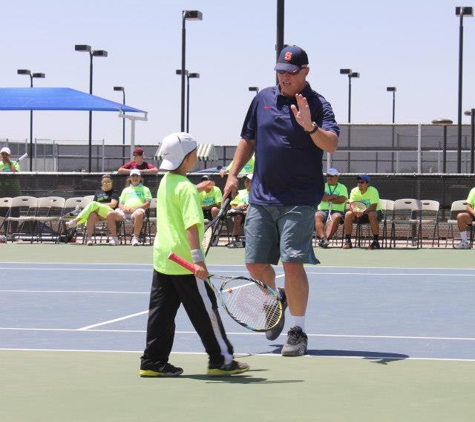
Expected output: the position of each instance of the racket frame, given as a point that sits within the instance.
(219, 292)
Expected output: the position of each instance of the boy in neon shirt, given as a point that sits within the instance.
(181, 231)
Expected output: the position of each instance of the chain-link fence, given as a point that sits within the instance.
(363, 148)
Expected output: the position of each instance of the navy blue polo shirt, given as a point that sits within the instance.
(288, 166)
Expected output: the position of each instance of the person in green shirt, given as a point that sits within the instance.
(9, 185)
(372, 215)
(333, 202)
(133, 202)
(464, 219)
(247, 169)
(181, 231)
(238, 212)
(211, 198)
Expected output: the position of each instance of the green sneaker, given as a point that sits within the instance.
(166, 370)
(232, 368)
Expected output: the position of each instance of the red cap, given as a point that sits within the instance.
(138, 151)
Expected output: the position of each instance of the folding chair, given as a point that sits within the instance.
(72, 207)
(407, 213)
(430, 216)
(456, 208)
(387, 207)
(21, 217)
(48, 218)
(5, 204)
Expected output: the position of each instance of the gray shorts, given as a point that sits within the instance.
(324, 214)
(283, 232)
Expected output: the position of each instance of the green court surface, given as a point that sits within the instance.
(54, 386)
(334, 257)
(77, 386)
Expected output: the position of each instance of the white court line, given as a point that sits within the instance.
(112, 321)
(250, 333)
(242, 354)
(76, 291)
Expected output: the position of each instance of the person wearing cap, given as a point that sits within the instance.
(373, 214)
(333, 202)
(138, 163)
(211, 198)
(105, 201)
(288, 127)
(238, 212)
(7, 165)
(133, 202)
(181, 231)
(465, 219)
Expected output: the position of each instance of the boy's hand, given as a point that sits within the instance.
(200, 270)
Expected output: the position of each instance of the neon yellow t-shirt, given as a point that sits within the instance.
(339, 190)
(6, 168)
(214, 196)
(178, 208)
(471, 198)
(371, 196)
(247, 169)
(242, 198)
(135, 196)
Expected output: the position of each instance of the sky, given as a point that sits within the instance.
(412, 45)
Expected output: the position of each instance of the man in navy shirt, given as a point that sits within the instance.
(288, 127)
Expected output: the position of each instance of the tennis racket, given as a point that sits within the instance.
(358, 207)
(329, 221)
(249, 302)
(213, 228)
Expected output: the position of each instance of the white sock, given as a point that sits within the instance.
(299, 321)
(463, 235)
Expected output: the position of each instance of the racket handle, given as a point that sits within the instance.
(180, 261)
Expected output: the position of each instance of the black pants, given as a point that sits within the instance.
(167, 294)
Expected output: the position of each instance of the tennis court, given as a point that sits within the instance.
(391, 338)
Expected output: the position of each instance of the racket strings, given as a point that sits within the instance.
(250, 304)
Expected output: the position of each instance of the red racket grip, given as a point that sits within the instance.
(180, 261)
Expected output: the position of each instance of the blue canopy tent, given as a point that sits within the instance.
(63, 99)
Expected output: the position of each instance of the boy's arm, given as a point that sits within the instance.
(196, 252)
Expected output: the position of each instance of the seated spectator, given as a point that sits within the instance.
(105, 201)
(138, 163)
(333, 202)
(238, 212)
(464, 219)
(369, 195)
(211, 198)
(133, 202)
(247, 169)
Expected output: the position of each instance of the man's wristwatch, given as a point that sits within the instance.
(315, 128)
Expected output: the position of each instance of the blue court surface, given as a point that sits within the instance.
(374, 313)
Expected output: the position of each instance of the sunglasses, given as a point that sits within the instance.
(106, 183)
(361, 182)
(282, 72)
(134, 175)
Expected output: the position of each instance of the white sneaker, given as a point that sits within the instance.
(89, 241)
(114, 241)
(462, 245)
(71, 224)
(135, 241)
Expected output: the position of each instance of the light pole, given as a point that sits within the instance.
(351, 75)
(444, 123)
(471, 113)
(121, 88)
(393, 89)
(461, 12)
(188, 77)
(92, 53)
(187, 15)
(254, 89)
(32, 76)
